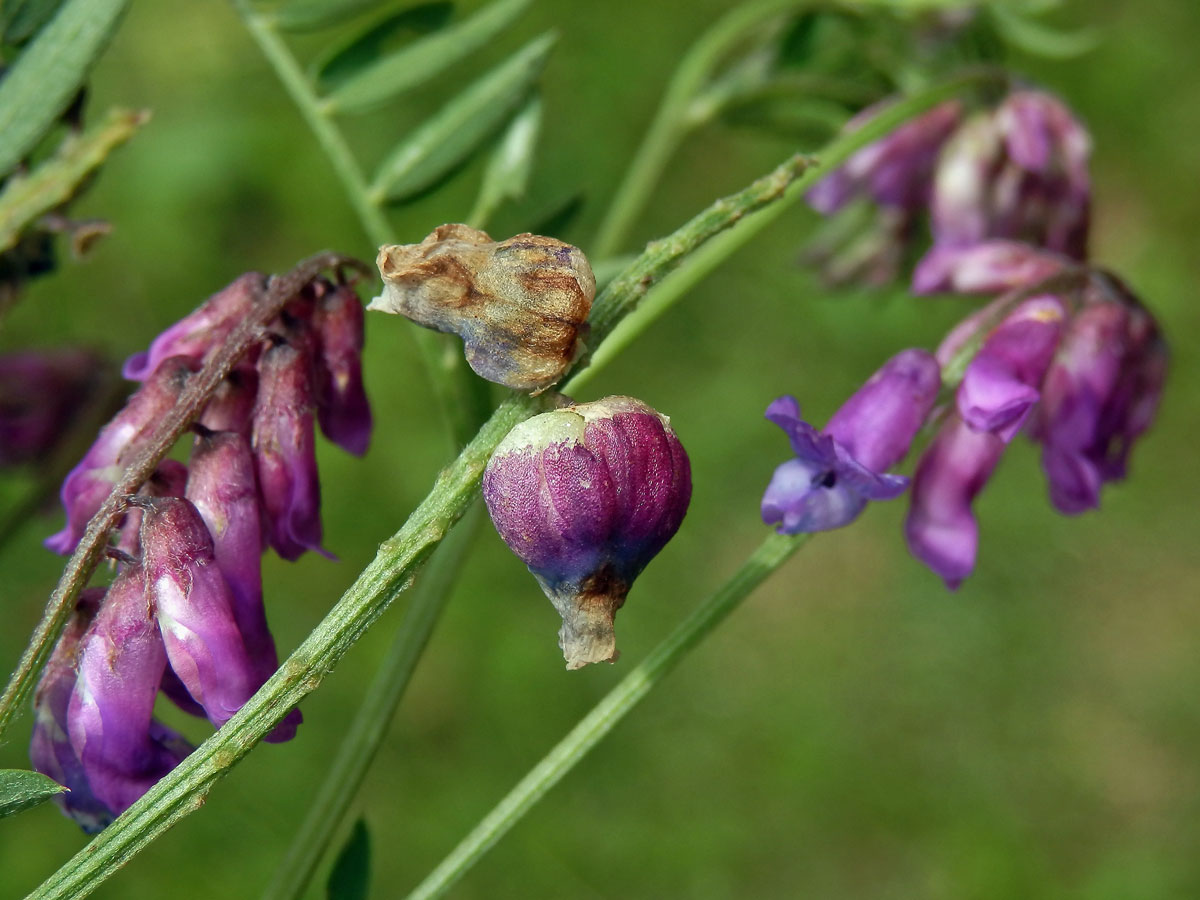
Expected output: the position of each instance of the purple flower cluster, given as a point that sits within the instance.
(40, 394)
(1065, 353)
(185, 613)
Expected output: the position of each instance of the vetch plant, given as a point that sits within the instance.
(947, 173)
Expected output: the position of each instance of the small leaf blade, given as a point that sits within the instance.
(420, 62)
(313, 15)
(21, 19)
(1040, 39)
(47, 74)
(350, 878)
(376, 40)
(54, 182)
(510, 165)
(450, 136)
(21, 789)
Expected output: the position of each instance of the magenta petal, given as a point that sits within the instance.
(285, 452)
(195, 609)
(40, 394)
(342, 407)
(941, 527)
(990, 267)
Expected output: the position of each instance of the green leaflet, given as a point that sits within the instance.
(21, 789)
(343, 61)
(420, 62)
(448, 138)
(511, 162)
(351, 875)
(20, 19)
(1040, 39)
(312, 15)
(46, 75)
(26, 197)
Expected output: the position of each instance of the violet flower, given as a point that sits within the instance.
(1018, 172)
(88, 485)
(989, 267)
(194, 606)
(285, 452)
(50, 748)
(838, 470)
(40, 394)
(109, 717)
(201, 331)
(342, 407)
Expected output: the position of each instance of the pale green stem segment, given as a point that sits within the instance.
(674, 118)
(770, 555)
(374, 716)
(463, 397)
(396, 564)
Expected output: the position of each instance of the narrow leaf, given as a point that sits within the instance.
(462, 125)
(1039, 39)
(21, 789)
(379, 38)
(351, 875)
(507, 175)
(420, 62)
(24, 198)
(312, 15)
(47, 74)
(20, 19)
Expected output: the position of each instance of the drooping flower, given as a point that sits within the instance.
(836, 472)
(342, 408)
(586, 496)
(989, 267)
(110, 714)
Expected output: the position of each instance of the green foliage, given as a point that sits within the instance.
(313, 15)
(350, 878)
(21, 790)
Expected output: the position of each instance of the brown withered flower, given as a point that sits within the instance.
(520, 305)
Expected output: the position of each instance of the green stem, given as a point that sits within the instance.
(463, 398)
(374, 716)
(673, 120)
(769, 556)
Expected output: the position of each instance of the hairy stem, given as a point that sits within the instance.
(196, 394)
(769, 556)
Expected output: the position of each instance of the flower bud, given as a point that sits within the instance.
(342, 408)
(285, 457)
(222, 488)
(195, 608)
(50, 748)
(88, 485)
(837, 471)
(520, 305)
(200, 331)
(109, 717)
(586, 496)
(1001, 384)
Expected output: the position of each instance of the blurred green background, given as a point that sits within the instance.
(855, 730)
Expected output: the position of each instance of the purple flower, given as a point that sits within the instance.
(1099, 396)
(342, 407)
(168, 480)
(941, 528)
(40, 393)
(1019, 172)
(837, 471)
(586, 496)
(50, 748)
(285, 452)
(989, 267)
(1000, 385)
(223, 490)
(88, 485)
(109, 717)
(201, 331)
(232, 405)
(194, 606)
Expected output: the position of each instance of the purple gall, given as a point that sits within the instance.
(50, 748)
(836, 472)
(284, 445)
(110, 713)
(1019, 172)
(586, 496)
(194, 606)
(88, 485)
(201, 331)
(343, 411)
